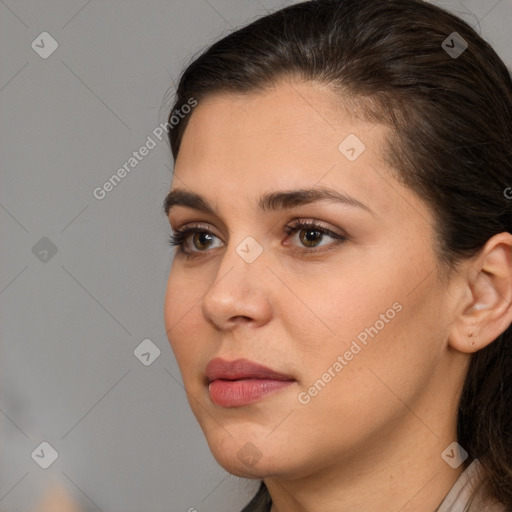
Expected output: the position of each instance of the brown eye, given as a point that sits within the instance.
(193, 240)
(310, 237)
(201, 240)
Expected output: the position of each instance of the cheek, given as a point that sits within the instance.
(341, 302)
(380, 333)
(352, 399)
(181, 310)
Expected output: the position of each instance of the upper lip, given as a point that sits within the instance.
(241, 369)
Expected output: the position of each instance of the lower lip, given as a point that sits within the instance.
(236, 393)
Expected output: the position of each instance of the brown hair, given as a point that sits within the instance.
(451, 142)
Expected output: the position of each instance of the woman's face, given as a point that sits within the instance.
(356, 323)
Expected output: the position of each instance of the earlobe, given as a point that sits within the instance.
(486, 309)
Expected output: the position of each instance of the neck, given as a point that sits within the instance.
(387, 474)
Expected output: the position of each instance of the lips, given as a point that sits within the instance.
(241, 369)
(241, 382)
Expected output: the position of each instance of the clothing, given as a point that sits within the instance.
(261, 502)
(466, 495)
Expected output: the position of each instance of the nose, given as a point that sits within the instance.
(239, 293)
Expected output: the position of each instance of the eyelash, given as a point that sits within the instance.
(179, 237)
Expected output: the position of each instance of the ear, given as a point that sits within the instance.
(485, 309)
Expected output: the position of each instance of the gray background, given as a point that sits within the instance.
(70, 321)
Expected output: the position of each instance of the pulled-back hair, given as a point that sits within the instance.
(450, 141)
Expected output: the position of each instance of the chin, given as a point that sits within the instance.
(247, 463)
(245, 455)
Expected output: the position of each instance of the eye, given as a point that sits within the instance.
(309, 235)
(200, 237)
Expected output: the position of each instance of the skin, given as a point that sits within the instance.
(372, 438)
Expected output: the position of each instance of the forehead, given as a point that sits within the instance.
(293, 135)
(281, 115)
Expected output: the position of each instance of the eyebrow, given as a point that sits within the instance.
(271, 201)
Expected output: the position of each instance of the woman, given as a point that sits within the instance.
(340, 300)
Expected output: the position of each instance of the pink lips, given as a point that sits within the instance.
(241, 382)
